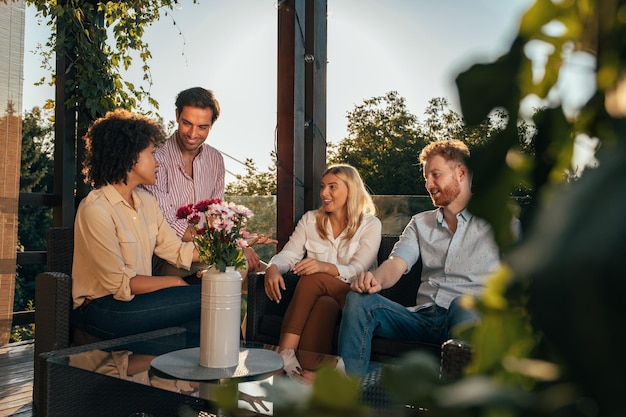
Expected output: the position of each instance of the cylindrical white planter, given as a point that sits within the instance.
(220, 318)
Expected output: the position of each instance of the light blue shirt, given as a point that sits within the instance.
(453, 263)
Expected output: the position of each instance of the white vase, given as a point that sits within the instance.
(220, 318)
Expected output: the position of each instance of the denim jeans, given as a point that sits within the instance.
(369, 315)
(108, 318)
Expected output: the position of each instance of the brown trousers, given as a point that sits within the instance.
(314, 310)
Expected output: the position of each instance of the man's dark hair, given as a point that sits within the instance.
(198, 97)
(113, 144)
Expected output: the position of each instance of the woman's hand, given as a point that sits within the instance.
(142, 284)
(309, 266)
(274, 283)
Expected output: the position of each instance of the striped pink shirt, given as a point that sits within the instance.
(174, 188)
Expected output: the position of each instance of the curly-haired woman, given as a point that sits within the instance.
(118, 227)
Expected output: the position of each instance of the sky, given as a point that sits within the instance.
(414, 47)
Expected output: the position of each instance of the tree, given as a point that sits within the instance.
(254, 182)
(384, 140)
(257, 191)
(36, 176)
(383, 143)
(80, 31)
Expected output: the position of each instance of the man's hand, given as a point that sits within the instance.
(365, 283)
(255, 239)
(252, 259)
(189, 234)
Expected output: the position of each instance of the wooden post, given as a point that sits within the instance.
(315, 100)
(65, 139)
(11, 74)
(301, 110)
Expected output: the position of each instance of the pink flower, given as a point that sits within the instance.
(219, 227)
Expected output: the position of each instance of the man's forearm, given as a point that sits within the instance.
(390, 271)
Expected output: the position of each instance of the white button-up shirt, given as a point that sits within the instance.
(351, 257)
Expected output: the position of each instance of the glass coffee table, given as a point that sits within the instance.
(155, 374)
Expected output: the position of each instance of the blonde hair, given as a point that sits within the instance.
(359, 201)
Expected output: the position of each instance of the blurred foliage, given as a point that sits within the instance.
(549, 344)
(551, 315)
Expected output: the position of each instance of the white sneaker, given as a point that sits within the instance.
(291, 365)
(341, 366)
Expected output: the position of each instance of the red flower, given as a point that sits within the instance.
(184, 211)
(205, 204)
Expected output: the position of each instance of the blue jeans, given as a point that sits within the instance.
(107, 318)
(368, 315)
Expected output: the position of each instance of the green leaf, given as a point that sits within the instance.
(485, 87)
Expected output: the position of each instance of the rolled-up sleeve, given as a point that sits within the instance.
(407, 247)
(362, 250)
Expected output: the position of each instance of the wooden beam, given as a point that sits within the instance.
(290, 114)
(315, 100)
(65, 138)
(301, 110)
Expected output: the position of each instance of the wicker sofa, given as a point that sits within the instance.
(264, 317)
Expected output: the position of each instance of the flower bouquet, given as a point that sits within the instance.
(219, 231)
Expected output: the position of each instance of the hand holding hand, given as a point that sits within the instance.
(366, 283)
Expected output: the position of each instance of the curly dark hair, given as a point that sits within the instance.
(198, 97)
(113, 144)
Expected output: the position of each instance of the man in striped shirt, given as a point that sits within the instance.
(190, 170)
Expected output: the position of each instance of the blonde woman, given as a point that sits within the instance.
(328, 249)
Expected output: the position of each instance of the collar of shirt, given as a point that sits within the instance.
(464, 215)
(177, 154)
(114, 197)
